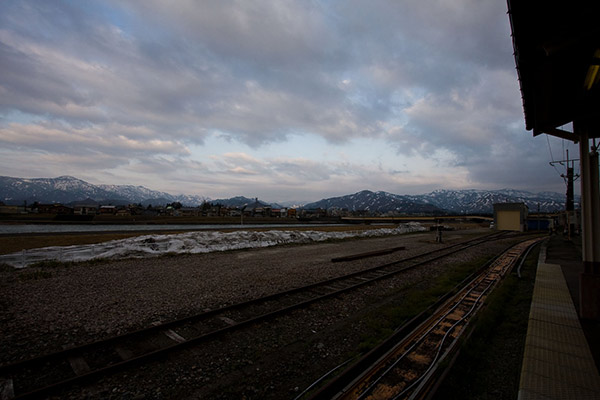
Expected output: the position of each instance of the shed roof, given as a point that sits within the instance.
(557, 54)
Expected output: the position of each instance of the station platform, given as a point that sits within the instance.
(562, 352)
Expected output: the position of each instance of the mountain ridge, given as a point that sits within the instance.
(442, 201)
(68, 189)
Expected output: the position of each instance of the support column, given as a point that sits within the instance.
(590, 221)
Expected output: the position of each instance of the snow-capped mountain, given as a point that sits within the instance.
(149, 196)
(482, 201)
(378, 202)
(67, 189)
(443, 201)
(56, 190)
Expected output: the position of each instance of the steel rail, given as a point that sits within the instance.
(445, 320)
(440, 346)
(221, 310)
(423, 337)
(107, 343)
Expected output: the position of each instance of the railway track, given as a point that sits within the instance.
(407, 369)
(48, 374)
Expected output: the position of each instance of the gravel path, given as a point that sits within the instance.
(43, 311)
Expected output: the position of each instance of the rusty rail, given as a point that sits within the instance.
(408, 368)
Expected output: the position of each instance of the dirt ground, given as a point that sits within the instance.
(43, 310)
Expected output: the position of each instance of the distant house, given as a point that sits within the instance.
(189, 211)
(232, 212)
(279, 212)
(135, 209)
(108, 210)
(123, 211)
(258, 209)
(215, 211)
(225, 211)
(56, 208)
(170, 211)
(83, 209)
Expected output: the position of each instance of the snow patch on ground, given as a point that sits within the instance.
(190, 243)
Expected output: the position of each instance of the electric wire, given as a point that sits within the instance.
(552, 158)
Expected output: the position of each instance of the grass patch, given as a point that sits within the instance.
(489, 363)
(382, 323)
(13, 244)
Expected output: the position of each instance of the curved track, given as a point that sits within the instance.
(407, 370)
(48, 374)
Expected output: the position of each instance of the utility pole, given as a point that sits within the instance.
(570, 204)
(569, 178)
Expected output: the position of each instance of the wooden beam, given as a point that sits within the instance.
(559, 133)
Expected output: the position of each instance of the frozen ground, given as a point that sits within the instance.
(191, 242)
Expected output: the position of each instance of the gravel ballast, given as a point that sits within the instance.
(44, 310)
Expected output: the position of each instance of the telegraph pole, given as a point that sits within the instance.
(569, 178)
(570, 205)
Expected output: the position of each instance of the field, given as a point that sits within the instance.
(15, 243)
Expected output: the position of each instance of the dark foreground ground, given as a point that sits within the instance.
(567, 253)
(79, 303)
(489, 363)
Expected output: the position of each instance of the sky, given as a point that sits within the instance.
(280, 100)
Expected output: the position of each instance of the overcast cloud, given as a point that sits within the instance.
(281, 100)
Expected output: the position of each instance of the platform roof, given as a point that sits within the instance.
(557, 54)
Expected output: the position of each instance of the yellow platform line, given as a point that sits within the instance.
(557, 363)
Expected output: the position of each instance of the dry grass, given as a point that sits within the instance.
(12, 244)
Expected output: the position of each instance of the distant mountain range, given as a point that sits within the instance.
(70, 190)
(241, 201)
(443, 201)
(67, 189)
(379, 202)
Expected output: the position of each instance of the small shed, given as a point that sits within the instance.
(510, 216)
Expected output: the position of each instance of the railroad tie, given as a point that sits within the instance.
(171, 334)
(228, 321)
(79, 365)
(124, 353)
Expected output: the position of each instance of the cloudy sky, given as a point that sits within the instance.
(281, 100)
